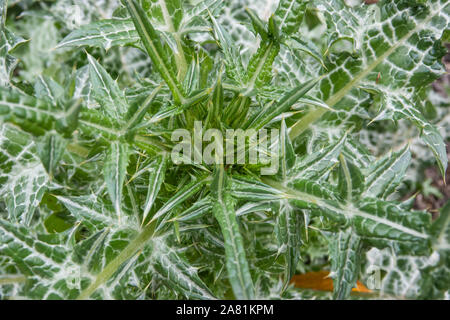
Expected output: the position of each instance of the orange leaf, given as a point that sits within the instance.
(320, 281)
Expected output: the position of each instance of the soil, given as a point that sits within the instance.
(433, 203)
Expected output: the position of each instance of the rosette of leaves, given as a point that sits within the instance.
(92, 206)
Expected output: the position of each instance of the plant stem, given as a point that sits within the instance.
(11, 279)
(299, 127)
(125, 254)
(314, 115)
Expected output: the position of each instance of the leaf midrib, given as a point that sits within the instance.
(226, 217)
(179, 58)
(348, 211)
(300, 126)
(173, 84)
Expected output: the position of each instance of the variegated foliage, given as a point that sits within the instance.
(92, 206)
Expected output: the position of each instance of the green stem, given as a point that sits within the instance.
(133, 247)
(11, 279)
(180, 59)
(314, 115)
(299, 127)
(78, 150)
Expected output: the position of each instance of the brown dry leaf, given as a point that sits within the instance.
(320, 281)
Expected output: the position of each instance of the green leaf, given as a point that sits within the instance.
(351, 180)
(105, 33)
(156, 177)
(56, 268)
(152, 44)
(403, 108)
(289, 15)
(192, 79)
(114, 172)
(106, 91)
(47, 264)
(26, 110)
(287, 153)
(265, 115)
(232, 59)
(317, 165)
(384, 175)
(177, 273)
(47, 89)
(94, 123)
(441, 229)
(51, 149)
(259, 70)
(91, 210)
(236, 261)
(258, 24)
(168, 13)
(8, 42)
(287, 229)
(308, 48)
(165, 212)
(136, 113)
(216, 105)
(345, 250)
(3, 9)
(250, 189)
(371, 218)
(378, 65)
(23, 179)
(197, 210)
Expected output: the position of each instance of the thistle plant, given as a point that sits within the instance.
(93, 205)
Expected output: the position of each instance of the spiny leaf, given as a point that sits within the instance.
(168, 13)
(23, 109)
(441, 229)
(345, 255)
(265, 115)
(23, 179)
(384, 175)
(47, 89)
(259, 71)
(114, 171)
(106, 91)
(380, 66)
(136, 113)
(104, 33)
(351, 180)
(92, 211)
(182, 195)
(318, 164)
(216, 105)
(50, 150)
(156, 177)
(236, 261)
(45, 263)
(289, 15)
(287, 228)
(287, 153)
(152, 44)
(8, 42)
(235, 69)
(177, 273)
(197, 210)
(258, 24)
(369, 217)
